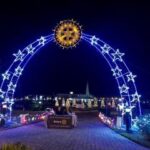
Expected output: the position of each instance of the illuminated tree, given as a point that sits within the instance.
(68, 34)
(67, 105)
(102, 103)
(56, 103)
(63, 102)
(95, 102)
(113, 105)
(74, 103)
(89, 103)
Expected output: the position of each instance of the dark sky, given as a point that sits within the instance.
(122, 24)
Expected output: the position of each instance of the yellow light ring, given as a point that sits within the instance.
(67, 33)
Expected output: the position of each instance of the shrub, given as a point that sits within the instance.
(144, 125)
(16, 146)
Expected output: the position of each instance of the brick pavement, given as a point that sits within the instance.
(89, 135)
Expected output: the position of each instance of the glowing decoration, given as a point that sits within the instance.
(67, 103)
(6, 75)
(117, 55)
(102, 103)
(131, 77)
(19, 56)
(135, 97)
(82, 105)
(63, 102)
(106, 120)
(95, 102)
(7, 100)
(11, 87)
(128, 110)
(23, 119)
(18, 71)
(94, 40)
(113, 105)
(71, 92)
(4, 106)
(89, 104)
(42, 117)
(56, 103)
(74, 103)
(30, 49)
(117, 72)
(124, 89)
(142, 124)
(42, 41)
(105, 49)
(121, 106)
(67, 33)
(2, 93)
(120, 99)
(32, 118)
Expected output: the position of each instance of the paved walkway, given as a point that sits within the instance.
(89, 135)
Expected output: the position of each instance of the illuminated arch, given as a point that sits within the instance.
(124, 77)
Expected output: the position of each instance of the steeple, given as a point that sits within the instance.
(87, 89)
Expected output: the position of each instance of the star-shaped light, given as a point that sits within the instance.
(30, 49)
(131, 77)
(9, 101)
(2, 93)
(121, 106)
(19, 56)
(94, 40)
(11, 87)
(116, 72)
(42, 40)
(135, 97)
(129, 108)
(132, 107)
(121, 99)
(6, 75)
(124, 89)
(117, 55)
(18, 71)
(105, 49)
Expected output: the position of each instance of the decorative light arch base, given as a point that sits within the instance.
(130, 99)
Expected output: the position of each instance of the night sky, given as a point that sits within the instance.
(123, 25)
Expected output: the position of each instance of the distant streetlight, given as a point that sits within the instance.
(71, 92)
(40, 102)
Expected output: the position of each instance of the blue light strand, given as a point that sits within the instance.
(30, 59)
(12, 66)
(128, 72)
(8, 70)
(24, 63)
(87, 40)
(103, 48)
(99, 47)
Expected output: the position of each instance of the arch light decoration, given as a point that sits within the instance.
(68, 34)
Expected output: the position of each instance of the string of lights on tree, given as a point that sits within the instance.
(67, 34)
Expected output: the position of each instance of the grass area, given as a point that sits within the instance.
(135, 137)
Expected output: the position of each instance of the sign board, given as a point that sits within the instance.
(59, 121)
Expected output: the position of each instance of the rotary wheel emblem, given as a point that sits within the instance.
(67, 33)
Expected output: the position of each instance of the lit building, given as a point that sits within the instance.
(78, 97)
